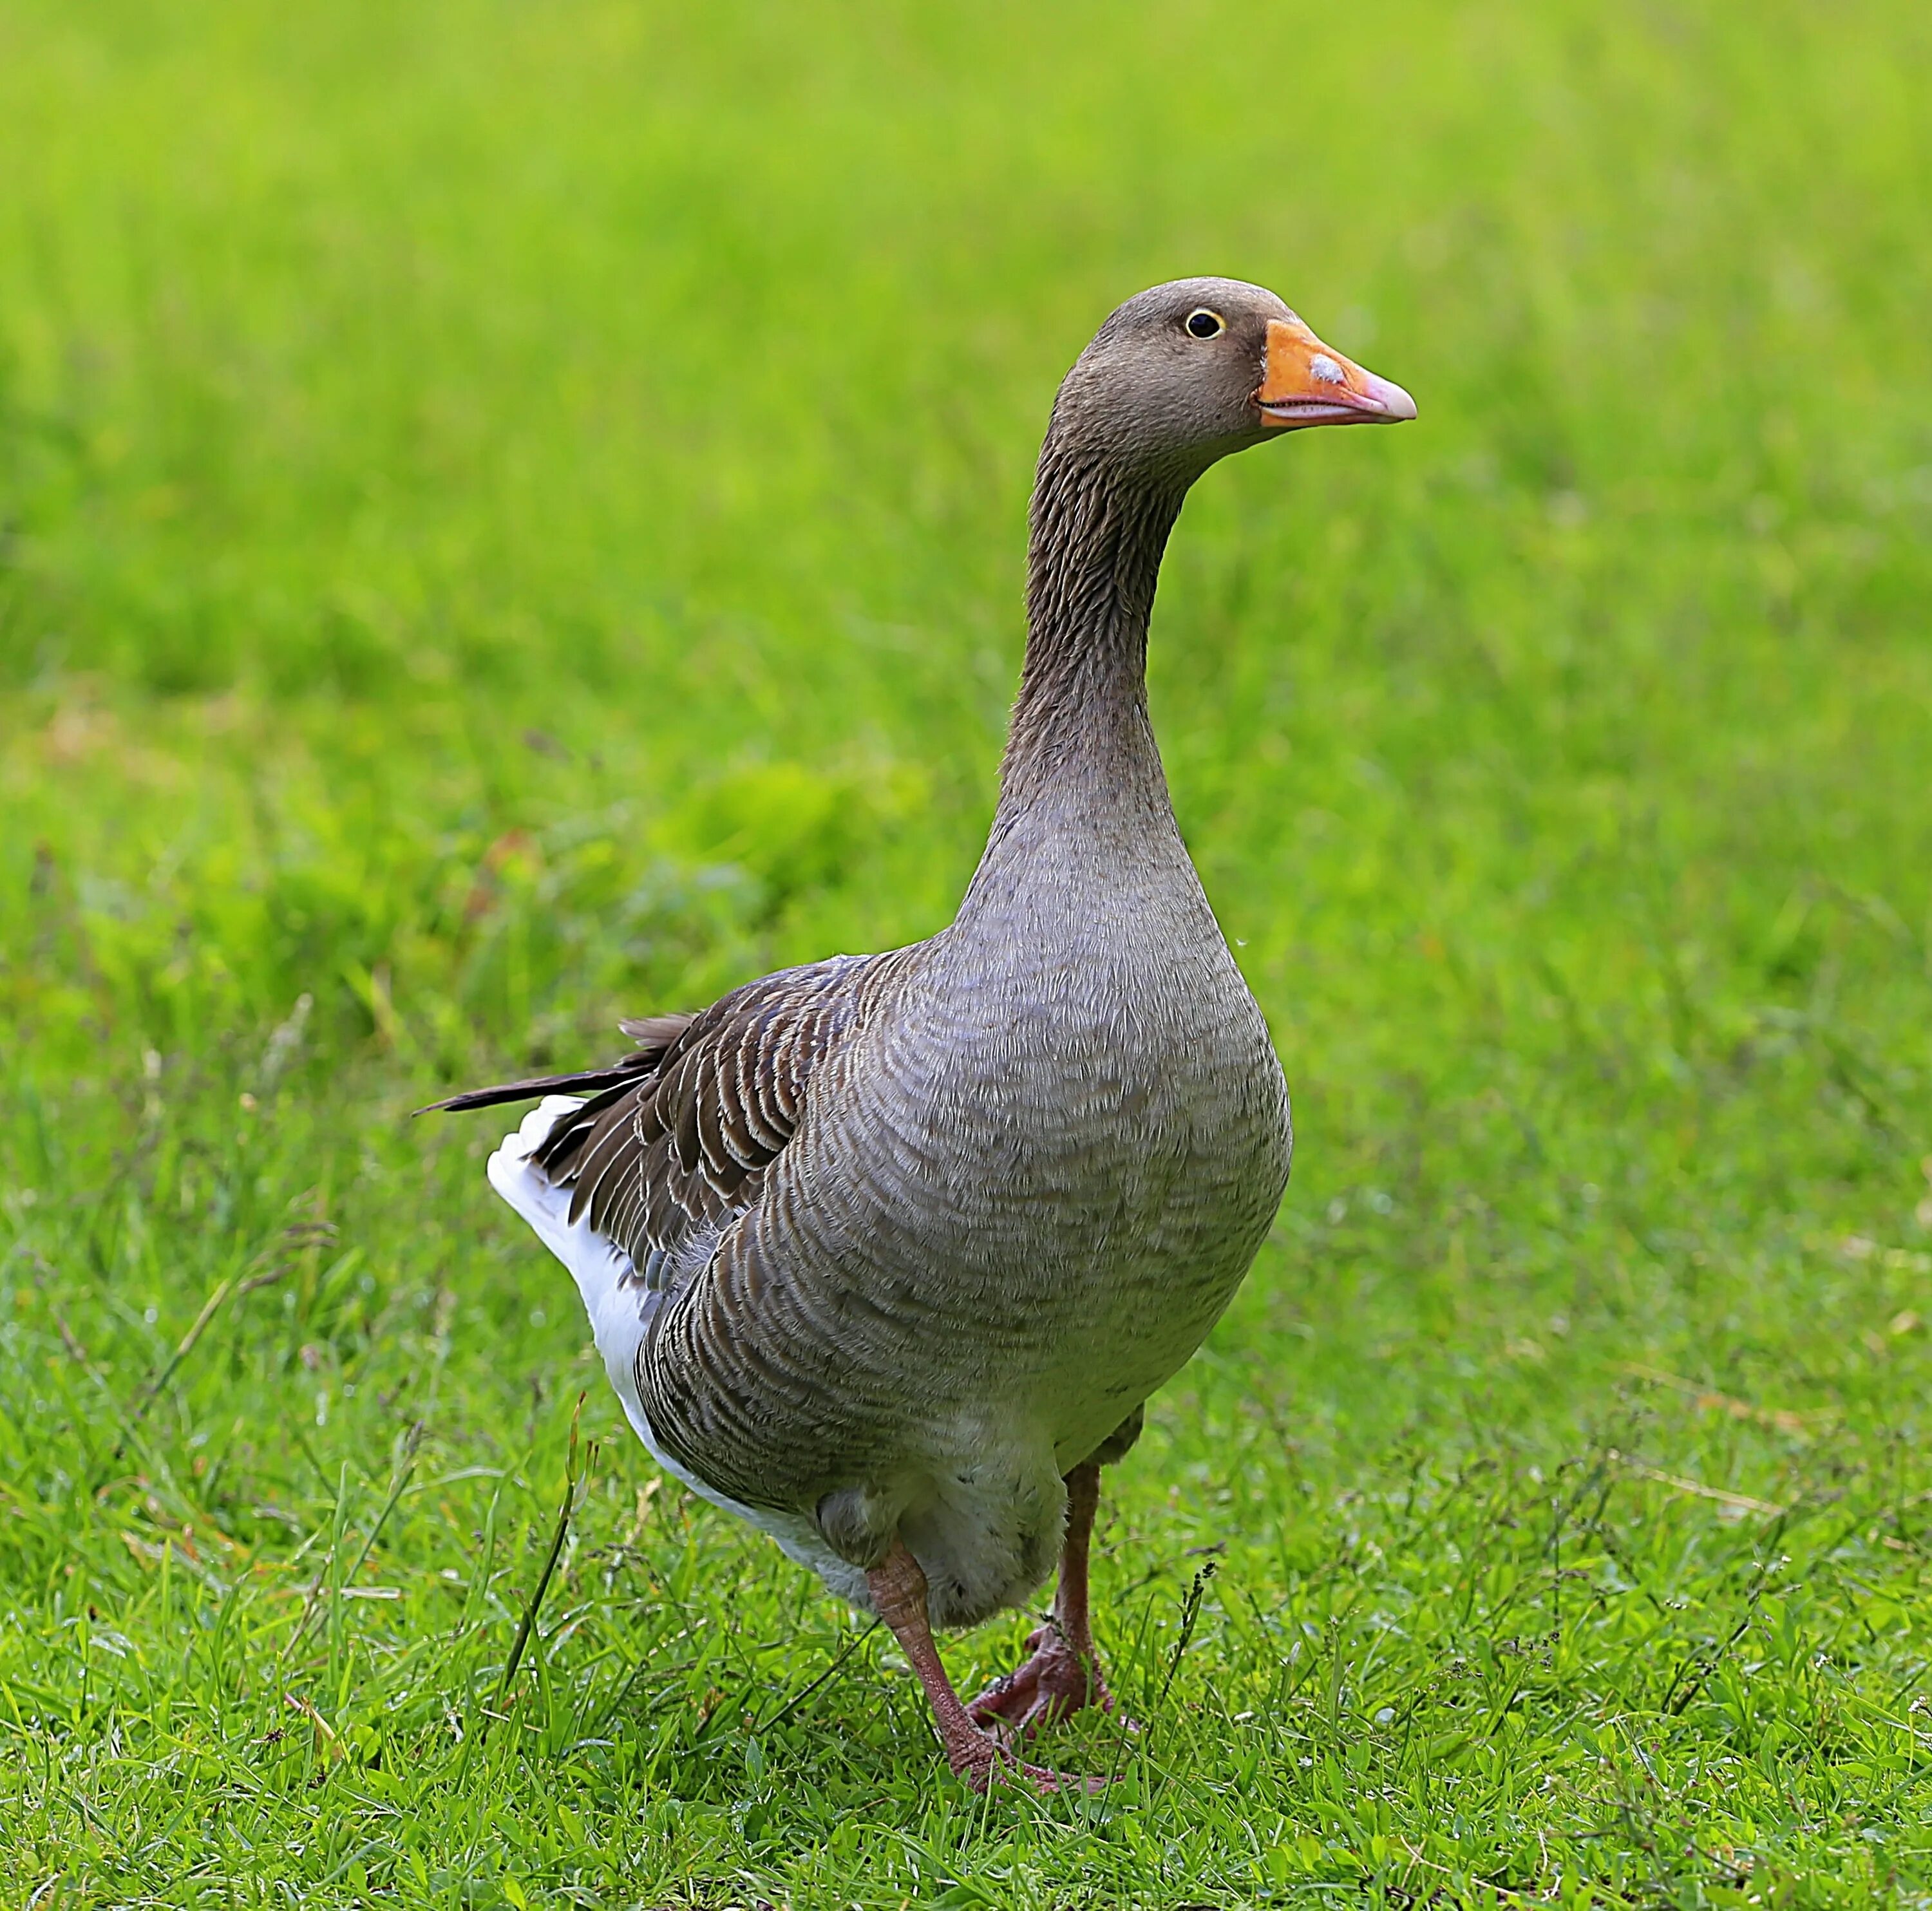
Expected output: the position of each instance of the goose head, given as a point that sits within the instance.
(1185, 373)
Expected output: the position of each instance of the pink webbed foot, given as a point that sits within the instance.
(1053, 1685)
(898, 1590)
(981, 1761)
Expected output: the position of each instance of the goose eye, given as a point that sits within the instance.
(1205, 323)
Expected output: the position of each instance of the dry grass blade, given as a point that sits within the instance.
(327, 1743)
(1709, 1400)
(1743, 1502)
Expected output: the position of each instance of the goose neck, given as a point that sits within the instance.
(1080, 731)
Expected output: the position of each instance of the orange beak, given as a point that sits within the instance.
(1303, 383)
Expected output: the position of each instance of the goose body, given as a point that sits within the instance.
(886, 1253)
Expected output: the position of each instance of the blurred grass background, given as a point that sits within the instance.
(513, 514)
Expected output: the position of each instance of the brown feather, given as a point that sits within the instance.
(674, 1138)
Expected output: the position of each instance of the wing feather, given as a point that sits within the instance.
(672, 1141)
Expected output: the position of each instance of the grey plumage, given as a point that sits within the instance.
(913, 1235)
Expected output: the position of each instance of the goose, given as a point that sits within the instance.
(885, 1254)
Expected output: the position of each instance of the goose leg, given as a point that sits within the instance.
(899, 1596)
(1064, 1674)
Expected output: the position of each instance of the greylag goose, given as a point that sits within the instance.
(885, 1253)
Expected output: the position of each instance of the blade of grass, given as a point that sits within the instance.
(526, 1625)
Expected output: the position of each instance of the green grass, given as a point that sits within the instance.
(513, 514)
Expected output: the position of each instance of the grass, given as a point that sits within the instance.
(513, 515)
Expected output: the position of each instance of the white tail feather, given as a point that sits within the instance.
(618, 1307)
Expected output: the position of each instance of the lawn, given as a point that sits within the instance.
(511, 515)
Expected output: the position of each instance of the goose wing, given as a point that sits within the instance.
(672, 1141)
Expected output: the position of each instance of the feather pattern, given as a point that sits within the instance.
(671, 1141)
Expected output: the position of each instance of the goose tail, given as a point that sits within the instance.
(619, 1305)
